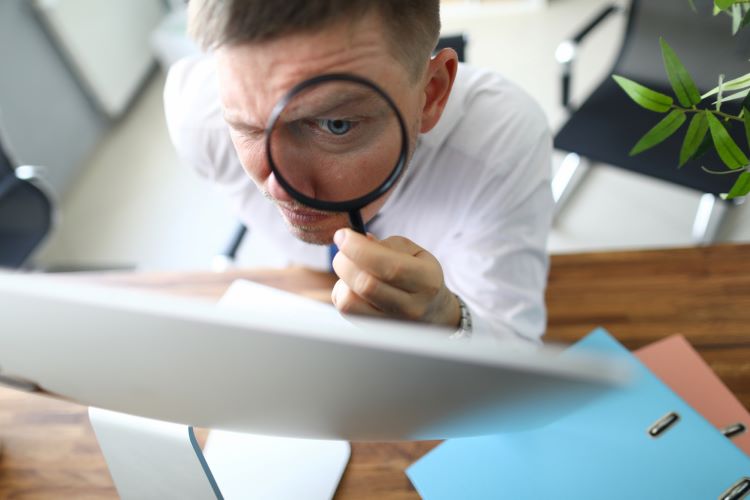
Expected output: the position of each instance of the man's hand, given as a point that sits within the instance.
(392, 278)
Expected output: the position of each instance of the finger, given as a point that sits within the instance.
(401, 244)
(376, 292)
(347, 302)
(405, 245)
(395, 265)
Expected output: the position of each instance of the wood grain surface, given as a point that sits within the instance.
(704, 293)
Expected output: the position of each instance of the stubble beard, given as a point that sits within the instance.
(315, 234)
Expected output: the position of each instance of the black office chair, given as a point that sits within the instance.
(456, 42)
(226, 258)
(25, 212)
(608, 124)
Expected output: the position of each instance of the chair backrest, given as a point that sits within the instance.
(25, 215)
(703, 42)
(455, 42)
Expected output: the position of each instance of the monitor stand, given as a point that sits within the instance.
(151, 459)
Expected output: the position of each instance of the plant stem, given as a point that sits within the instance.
(718, 113)
(724, 172)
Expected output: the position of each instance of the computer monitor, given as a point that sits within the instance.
(279, 365)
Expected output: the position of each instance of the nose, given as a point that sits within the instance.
(276, 190)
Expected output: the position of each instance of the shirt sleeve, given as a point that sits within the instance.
(184, 94)
(198, 131)
(498, 263)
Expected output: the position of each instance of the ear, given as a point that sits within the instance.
(438, 82)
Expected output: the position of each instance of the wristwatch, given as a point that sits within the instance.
(464, 327)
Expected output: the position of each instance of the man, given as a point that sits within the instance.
(460, 240)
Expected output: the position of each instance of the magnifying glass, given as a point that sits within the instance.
(337, 142)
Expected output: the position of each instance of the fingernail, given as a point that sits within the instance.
(338, 237)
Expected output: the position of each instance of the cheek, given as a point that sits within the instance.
(252, 155)
(411, 107)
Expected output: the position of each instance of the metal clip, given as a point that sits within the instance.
(737, 490)
(664, 423)
(734, 430)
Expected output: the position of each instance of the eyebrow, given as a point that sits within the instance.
(243, 125)
(328, 104)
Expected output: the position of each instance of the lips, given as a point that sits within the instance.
(302, 216)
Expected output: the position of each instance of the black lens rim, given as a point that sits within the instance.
(347, 205)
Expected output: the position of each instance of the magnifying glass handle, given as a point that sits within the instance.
(355, 218)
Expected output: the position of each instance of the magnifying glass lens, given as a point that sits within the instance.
(336, 141)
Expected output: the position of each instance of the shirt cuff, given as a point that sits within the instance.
(485, 330)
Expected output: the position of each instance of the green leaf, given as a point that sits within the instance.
(745, 20)
(694, 136)
(682, 84)
(707, 144)
(746, 120)
(736, 18)
(738, 95)
(729, 152)
(740, 83)
(741, 186)
(746, 103)
(643, 96)
(662, 130)
(723, 4)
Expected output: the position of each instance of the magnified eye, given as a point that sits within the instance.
(336, 127)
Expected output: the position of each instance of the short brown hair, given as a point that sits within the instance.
(413, 25)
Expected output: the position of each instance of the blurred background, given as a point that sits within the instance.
(81, 99)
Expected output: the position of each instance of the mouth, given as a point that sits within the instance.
(301, 216)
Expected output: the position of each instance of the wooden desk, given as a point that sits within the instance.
(703, 293)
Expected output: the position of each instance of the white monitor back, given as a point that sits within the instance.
(296, 369)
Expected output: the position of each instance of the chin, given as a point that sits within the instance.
(312, 235)
(313, 238)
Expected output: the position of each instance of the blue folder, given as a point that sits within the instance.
(603, 450)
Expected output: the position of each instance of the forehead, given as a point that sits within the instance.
(253, 76)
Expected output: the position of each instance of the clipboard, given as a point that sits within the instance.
(679, 366)
(640, 441)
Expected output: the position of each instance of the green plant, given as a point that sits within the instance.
(708, 124)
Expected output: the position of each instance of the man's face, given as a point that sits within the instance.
(254, 76)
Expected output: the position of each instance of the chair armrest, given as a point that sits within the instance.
(225, 259)
(30, 173)
(37, 177)
(596, 22)
(566, 51)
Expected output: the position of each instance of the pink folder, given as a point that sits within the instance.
(679, 366)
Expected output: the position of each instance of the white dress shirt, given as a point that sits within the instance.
(476, 193)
